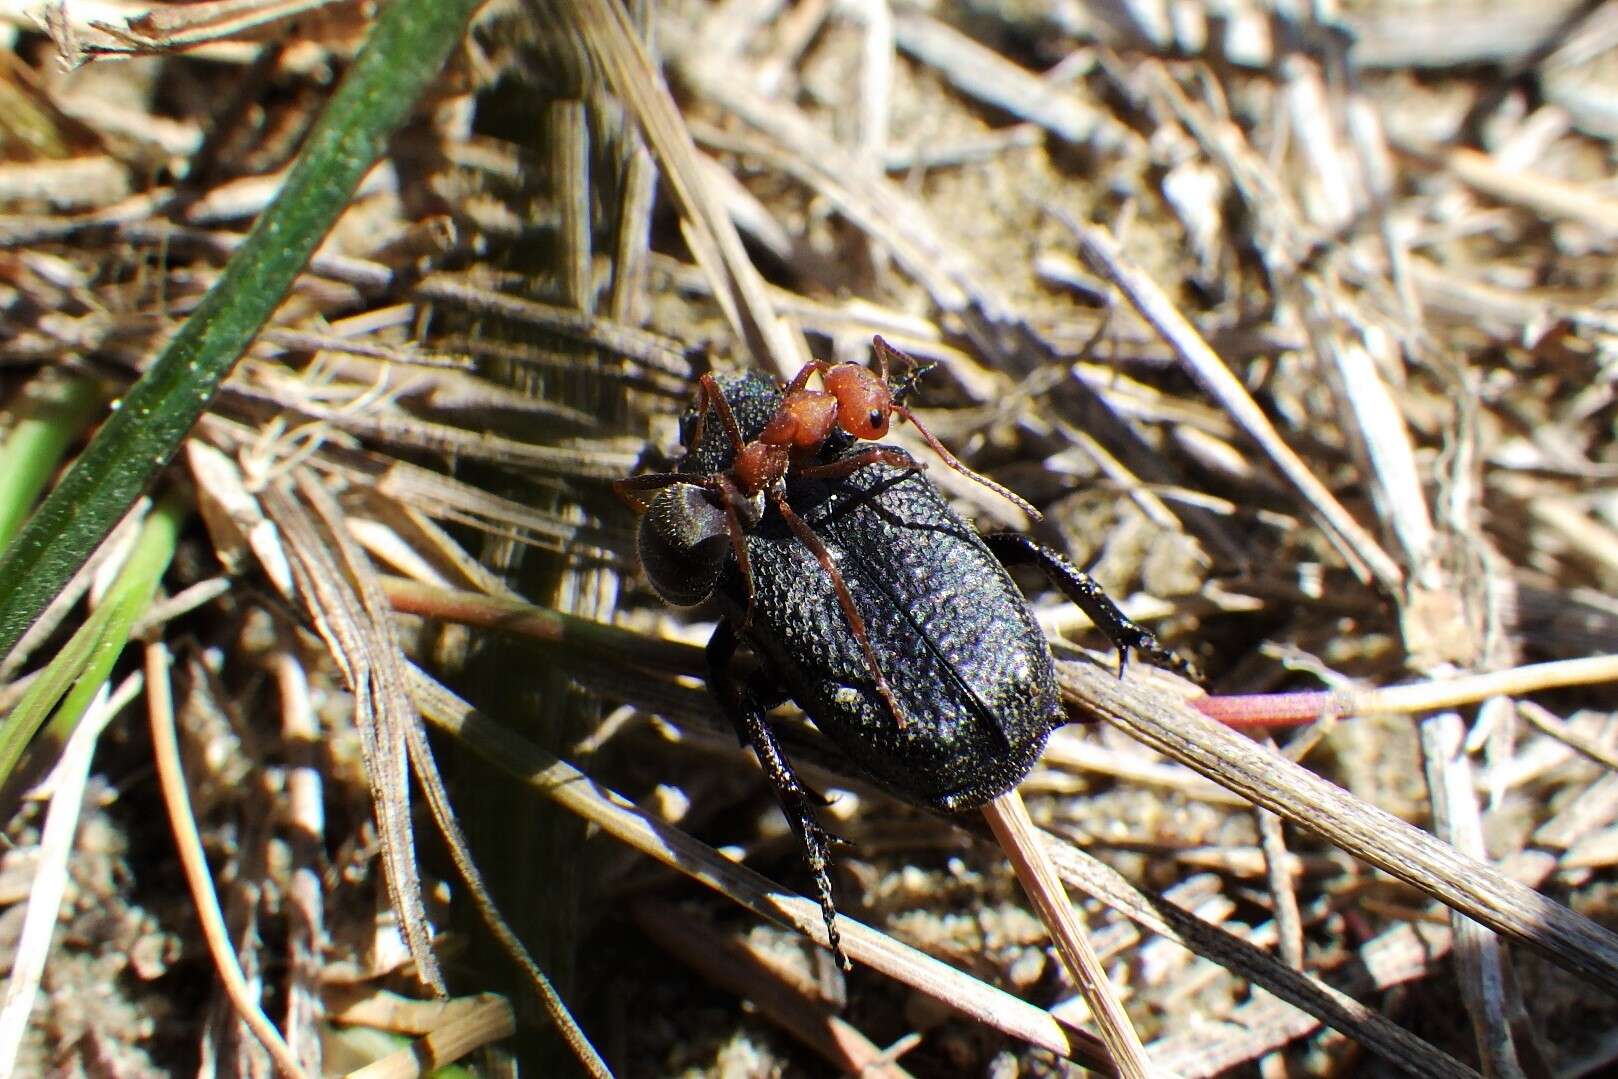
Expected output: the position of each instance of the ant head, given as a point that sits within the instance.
(684, 540)
(863, 399)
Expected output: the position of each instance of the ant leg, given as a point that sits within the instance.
(954, 462)
(726, 492)
(1014, 548)
(709, 394)
(807, 536)
(888, 455)
(626, 488)
(801, 379)
(883, 352)
(744, 713)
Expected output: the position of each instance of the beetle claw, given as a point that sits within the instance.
(816, 797)
(817, 843)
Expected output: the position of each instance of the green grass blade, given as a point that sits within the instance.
(408, 44)
(50, 414)
(80, 669)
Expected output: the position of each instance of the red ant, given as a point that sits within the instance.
(856, 401)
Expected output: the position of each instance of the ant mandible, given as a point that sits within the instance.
(857, 401)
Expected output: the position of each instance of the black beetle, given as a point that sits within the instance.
(967, 663)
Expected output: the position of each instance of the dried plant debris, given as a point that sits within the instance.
(1301, 334)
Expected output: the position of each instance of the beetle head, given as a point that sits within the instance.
(683, 539)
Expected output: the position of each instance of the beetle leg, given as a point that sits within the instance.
(767, 693)
(1014, 548)
(844, 600)
(743, 710)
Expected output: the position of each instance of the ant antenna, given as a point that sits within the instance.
(883, 352)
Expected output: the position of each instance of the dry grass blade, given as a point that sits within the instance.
(167, 27)
(987, 76)
(604, 29)
(171, 773)
(581, 795)
(726, 963)
(306, 813)
(365, 651)
(880, 208)
(67, 785)
(1356, 545)
(1008, 817)
(438, 800)
(1543, 195)
(1481, 960)
(1478, 890)
(1277, 867)
(466, 1025)
(1307, 1000)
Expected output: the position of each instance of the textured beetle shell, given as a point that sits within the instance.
(753, 398)
(954, 637)
(964, 656)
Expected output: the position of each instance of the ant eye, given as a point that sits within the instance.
(876, 417)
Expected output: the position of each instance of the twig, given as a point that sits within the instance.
(468, 1025)
(1481, 891)
(171, 777)
(1008, 817)
(67, 782)
(1358, 546)
(1257, 710)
